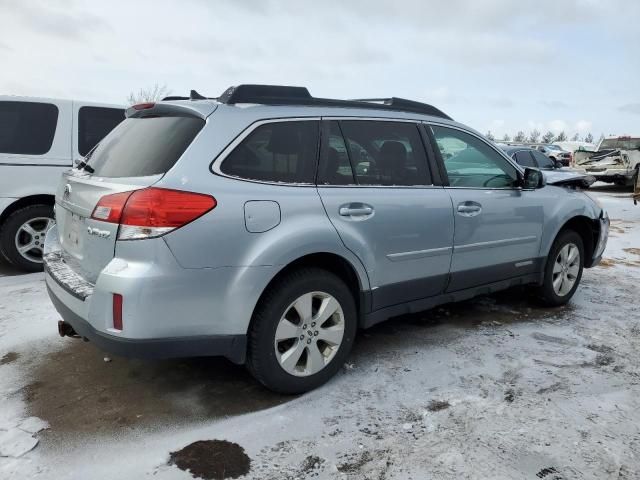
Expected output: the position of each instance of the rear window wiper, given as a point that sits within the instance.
(86, 167)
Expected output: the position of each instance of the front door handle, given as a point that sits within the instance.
(355, 211)
(469, 209)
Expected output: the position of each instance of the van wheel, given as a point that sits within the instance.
(22, 236)
(563, 270)
(302, 331)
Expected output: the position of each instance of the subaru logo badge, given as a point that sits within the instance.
(67, 191)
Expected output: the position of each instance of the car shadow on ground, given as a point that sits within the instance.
(81, 394)
(7, 270)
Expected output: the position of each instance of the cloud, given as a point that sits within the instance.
(501, 102)
(47, 20)
(583, 126)
(630, 108)
(555, 104)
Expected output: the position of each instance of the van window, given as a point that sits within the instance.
(27, 128)
(144, 146)
(284, 152)
(93, 125)
(381, 153)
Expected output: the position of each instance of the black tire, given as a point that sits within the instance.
(547, 293)
(261, 356)
(9, 229)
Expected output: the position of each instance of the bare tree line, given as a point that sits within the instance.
(535, 136)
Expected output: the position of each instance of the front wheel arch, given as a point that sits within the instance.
(588, 229)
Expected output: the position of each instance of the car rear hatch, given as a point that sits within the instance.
(134, 156)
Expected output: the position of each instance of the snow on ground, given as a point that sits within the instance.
(492, 388)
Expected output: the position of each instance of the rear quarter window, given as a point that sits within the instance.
(280, 152)
(94, 123)
(27, 128)
(139, 147)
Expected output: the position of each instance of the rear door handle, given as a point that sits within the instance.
(360, 211)
(469, 209)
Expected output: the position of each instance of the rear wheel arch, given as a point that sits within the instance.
(26, 202)
(331, 262)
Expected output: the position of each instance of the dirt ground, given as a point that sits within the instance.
(496, 387)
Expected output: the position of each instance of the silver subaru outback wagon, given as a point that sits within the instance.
(268, 226)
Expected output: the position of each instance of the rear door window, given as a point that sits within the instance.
(525, 159)
(94, 123)
(27, 128)
(543, 160)
(378, 153)
(281, 152)
(139, 147)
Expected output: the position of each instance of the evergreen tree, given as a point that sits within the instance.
(520, 137)
(588, 138)
(490, 136)
(548, 137)
(534, 136)
(562, 137)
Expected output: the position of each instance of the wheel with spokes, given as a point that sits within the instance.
(302, 331)
(22, 236)
(563, 269)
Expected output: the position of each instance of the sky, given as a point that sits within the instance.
(498, 65)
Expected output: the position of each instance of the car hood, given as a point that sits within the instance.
(568, 178)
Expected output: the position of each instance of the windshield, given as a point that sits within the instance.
(553, 147)
(620, 143)
(139, 147)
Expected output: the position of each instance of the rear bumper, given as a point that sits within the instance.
(167, 311)
(233, 347)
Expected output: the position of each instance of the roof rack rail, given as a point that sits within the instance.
(285, 95)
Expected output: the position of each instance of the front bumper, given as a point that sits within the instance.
(603, 237)
(604, 174)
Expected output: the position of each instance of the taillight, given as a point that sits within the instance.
(109, 208)
(151, 212)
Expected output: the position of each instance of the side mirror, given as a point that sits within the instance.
(532, 179)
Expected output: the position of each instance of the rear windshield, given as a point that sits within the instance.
(143, 146)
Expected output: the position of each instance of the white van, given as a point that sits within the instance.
(39, 139)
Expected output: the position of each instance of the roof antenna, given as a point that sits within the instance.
(196, 96)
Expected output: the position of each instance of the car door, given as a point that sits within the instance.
(376, 188)
(498, 226)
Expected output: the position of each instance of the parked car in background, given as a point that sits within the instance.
(530, 157)
(554, 152)
(615, 160)
(267, 226)
(39, 139)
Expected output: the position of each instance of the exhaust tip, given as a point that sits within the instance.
(65, 329)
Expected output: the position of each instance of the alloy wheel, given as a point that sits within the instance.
(309, 334)
(29, 238)
(566, 269)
